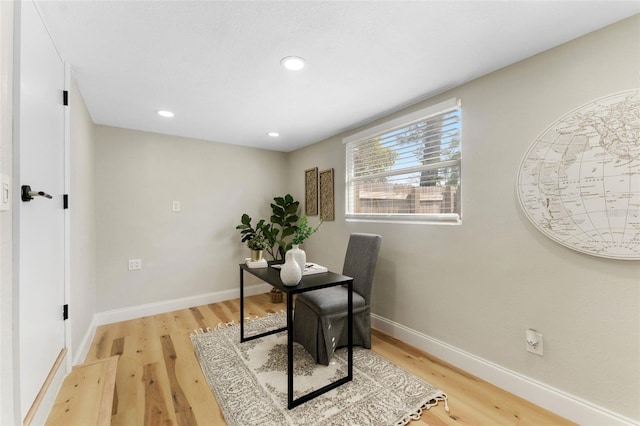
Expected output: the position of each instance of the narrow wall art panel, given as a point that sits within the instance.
(311, 192)
(327, 205)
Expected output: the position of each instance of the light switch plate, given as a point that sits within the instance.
(5, 193)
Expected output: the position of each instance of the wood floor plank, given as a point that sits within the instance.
(181, 405)
(159, 380)
(129, 407)
(141, 347)
(101, 346)
(188, 372)
(198, 317)
(158, 408)
(221, 313)
(210, 320)
(189, 377)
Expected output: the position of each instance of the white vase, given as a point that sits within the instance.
(299, 255)
(290, 274)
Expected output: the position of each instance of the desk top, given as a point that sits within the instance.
(308, 282)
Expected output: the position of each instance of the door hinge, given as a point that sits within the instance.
(65, 312)
(65, 97)
(65, 201)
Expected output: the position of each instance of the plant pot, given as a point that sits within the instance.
(276, 295)
(256, 255)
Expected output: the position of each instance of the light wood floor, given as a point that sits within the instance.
(159, 381)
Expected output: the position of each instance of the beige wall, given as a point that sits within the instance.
(82, 210)
(480, 285)
(188, 253)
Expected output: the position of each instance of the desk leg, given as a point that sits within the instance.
(289, 351)
(350, 331)
(241, 305)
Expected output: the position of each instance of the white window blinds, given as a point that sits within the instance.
(407, 169)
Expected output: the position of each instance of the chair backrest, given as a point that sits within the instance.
(360, 261)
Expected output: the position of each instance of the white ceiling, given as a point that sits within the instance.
(216, 64)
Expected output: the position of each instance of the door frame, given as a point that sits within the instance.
(67, 214)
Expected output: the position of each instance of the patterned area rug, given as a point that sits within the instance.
(249, 381)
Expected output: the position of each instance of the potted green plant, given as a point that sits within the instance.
(257, 244)
(254, 237)
(248, 232)
(284, 216)
(283, 224)
(277, 233)
(303, 232)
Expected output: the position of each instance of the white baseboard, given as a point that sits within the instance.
(83, 349)
(132, 312)
(566, 405)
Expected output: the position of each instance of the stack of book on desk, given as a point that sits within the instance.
(259, 264)
(309, 268)
(313, 268)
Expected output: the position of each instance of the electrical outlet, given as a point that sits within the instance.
(534, 342)
(135, 264)
(176, 206)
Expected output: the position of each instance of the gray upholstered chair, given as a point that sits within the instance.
(320, 317)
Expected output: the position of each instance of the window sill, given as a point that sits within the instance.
(442, 219)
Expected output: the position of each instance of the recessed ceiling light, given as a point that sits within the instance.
(273, 134)
(293, 63)
(163, 113)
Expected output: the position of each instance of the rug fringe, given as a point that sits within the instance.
(222, 325)
(427, 405)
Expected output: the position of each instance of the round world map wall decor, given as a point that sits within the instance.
(579, 183)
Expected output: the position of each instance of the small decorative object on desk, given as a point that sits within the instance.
(299, 255)
(290, 273)
(262, 263)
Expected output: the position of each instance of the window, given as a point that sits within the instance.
(407, 169)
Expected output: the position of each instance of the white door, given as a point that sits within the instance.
(40, 222)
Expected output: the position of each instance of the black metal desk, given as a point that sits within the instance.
(308, 283)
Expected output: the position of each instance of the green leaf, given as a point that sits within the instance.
(288, 231)
(246, 219)
(292, 219)
(291, 209)
(277, 220)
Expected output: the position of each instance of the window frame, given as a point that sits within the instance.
(405, 120)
